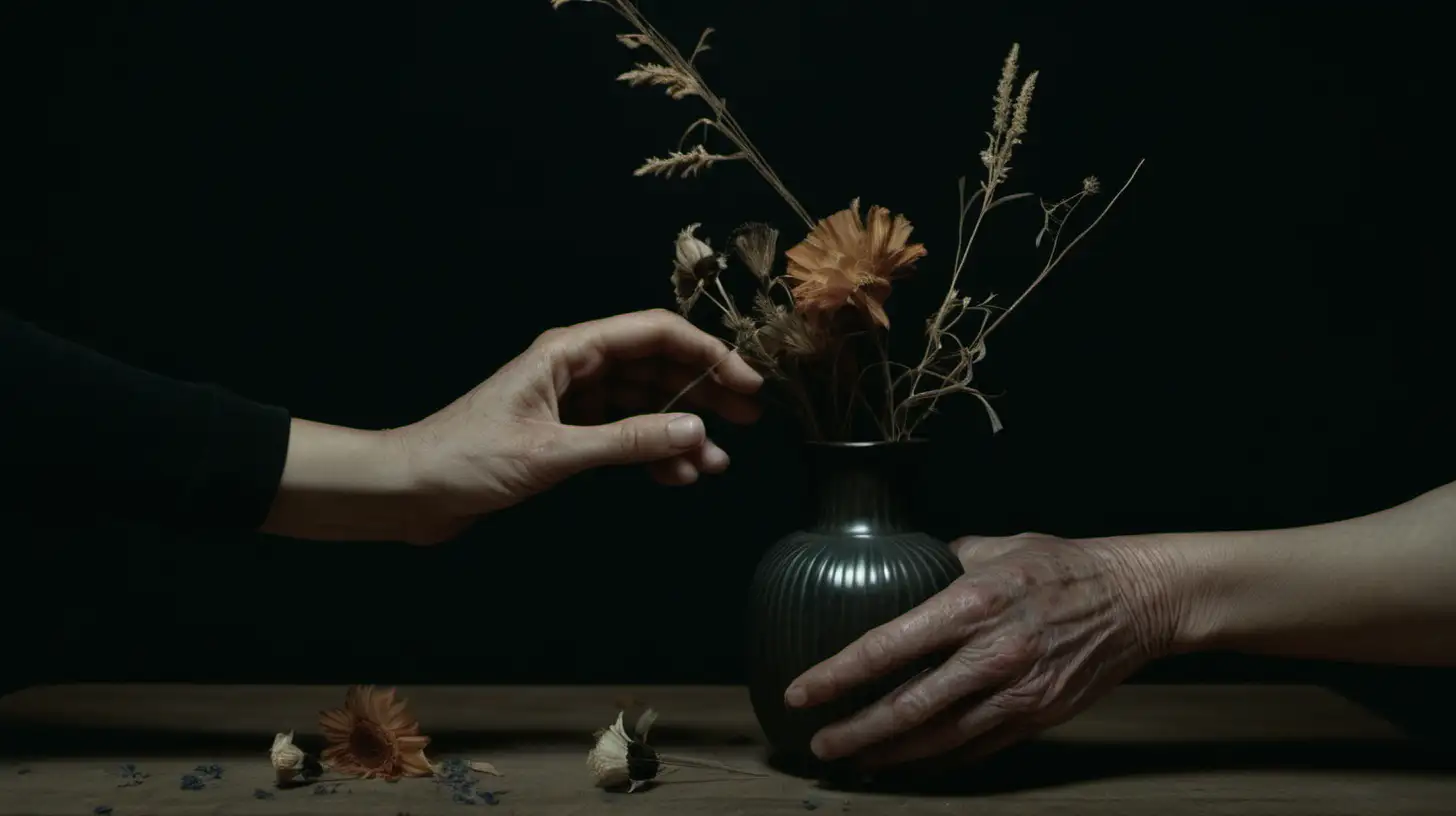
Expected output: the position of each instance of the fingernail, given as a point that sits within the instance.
(796, 696)
(685, 431)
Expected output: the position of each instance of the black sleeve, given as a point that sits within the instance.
(89, 437)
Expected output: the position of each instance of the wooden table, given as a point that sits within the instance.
(1143, 750)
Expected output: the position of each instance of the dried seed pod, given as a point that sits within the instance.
(622, 758)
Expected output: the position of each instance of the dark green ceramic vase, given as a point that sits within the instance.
(860, 562)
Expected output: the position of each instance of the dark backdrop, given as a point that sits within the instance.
(361, 210)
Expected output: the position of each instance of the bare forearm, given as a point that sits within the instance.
(343, 484)
(1380, 588)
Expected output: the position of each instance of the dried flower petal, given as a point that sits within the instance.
(757, 244)
(848, 262)
(374, 735)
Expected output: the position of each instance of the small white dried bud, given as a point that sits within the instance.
(1091, 186)
(287, 758)
(694, 255)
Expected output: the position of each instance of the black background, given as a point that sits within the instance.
(361, 210)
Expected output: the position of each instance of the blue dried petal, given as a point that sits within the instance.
(102, 810)
(191, 782)
(488, 797)
(214, 770)
(463, 799)
(259, 793)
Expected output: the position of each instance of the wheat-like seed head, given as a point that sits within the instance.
(1020, 110)
(686, 164)
(633, 41)
(678, 84)
(1004, 89)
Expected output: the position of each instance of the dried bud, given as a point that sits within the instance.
(288, 759)
(694, 263)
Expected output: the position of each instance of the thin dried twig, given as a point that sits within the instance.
(803, 346)
(680, 77)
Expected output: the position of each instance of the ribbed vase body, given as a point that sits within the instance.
(861, 562)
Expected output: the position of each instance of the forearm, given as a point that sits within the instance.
(90, 437)
(344, 484)
(1377, 589)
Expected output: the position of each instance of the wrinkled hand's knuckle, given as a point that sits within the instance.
(972, 606)
(877, 651)
(1016, 702)
(1015, 652)
(911, 707)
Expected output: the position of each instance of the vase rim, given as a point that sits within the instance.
(882, 443)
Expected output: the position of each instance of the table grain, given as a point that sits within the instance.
(1144, 749)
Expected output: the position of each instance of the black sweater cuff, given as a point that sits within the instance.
(86, 436)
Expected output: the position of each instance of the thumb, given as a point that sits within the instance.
(635, 440)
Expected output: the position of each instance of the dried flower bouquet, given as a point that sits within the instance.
(819, 329)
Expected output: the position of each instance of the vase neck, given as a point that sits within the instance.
(863, 491)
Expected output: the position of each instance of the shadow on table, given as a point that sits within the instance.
(1049, 764)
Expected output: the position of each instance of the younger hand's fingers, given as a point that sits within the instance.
(675, 472)
(934, 625)
(671, 379)
(685, 469)
(587, 347)
(636, 440)
(710, 458)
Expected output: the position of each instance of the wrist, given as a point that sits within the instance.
(343, 483)
(1151, 576)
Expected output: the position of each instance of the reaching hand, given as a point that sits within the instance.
(1036, 630)
(539, 420)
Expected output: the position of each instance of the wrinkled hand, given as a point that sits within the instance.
(543, 417)
(1037, 629)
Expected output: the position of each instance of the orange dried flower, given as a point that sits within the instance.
(849, 262)
(374, 735)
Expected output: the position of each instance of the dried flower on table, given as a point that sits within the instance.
(290, 763)
(623, 759)
(374, 736)
(820, 331)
